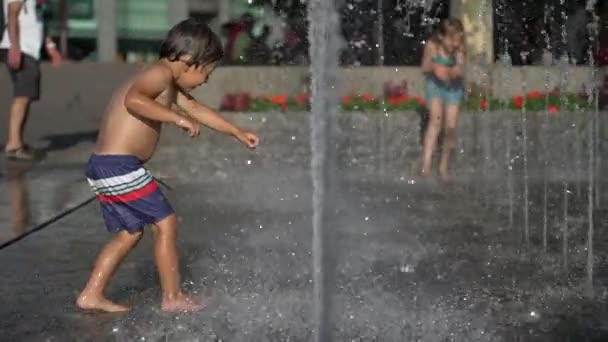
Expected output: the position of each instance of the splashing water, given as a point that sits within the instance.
(524, 128)
(323, 37)
(592, 144)
(547, 61)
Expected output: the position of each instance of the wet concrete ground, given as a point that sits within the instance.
(407, 260)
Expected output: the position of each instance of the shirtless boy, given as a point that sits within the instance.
(129, 196)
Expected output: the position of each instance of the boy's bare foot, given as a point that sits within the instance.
(91, 302)
(182, 303)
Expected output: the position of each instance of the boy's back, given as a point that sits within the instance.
(123, 132)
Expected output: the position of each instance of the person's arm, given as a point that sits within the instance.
(427, 57)
(14, 55)
(211, 119)
(140, 98)
(51, 49)
(458, 69)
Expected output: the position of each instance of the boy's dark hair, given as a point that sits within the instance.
(194, 38)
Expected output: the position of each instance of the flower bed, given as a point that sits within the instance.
(534, 101)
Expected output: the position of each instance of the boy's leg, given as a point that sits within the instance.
(449, 141)
(432, 132)
(112, 254)
(165, 252)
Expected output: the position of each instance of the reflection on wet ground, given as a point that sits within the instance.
(409, 262)
(17, 196)
(407, 259)
(32, 194)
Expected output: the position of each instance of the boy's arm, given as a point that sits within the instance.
(141, 96)
(211, 119)
(14, 56)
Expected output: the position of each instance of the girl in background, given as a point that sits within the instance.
(443, 66)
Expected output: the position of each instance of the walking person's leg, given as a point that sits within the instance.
(26, 89)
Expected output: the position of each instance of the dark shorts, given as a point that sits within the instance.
(129, 196)
(26, 81)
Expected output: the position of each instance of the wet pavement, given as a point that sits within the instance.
(406, 259)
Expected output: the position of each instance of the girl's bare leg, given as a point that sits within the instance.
(449, 141)
(92, 297)
(430, 137)
(165, 252)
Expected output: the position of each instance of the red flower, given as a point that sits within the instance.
(279, 99)
(420, 100)
(394, 100)
(553, 109)
(518, 101)
(367, 97)
(483, 104)
(347, 99)
(535, 94)
(301, 99)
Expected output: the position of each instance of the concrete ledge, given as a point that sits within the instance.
(86, 87)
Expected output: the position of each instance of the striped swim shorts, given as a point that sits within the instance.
(128, 194)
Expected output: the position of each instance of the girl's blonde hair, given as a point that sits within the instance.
(448, 26)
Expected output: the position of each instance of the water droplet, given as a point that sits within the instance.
(411, 181)
(293, 137)
(366, 218)
(406, 268)
(261, 226)
(115, 329)
(248, 162)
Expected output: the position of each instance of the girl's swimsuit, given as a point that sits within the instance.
(450, 93)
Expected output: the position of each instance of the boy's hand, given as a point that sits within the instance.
(247, 138)
(193, 127)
